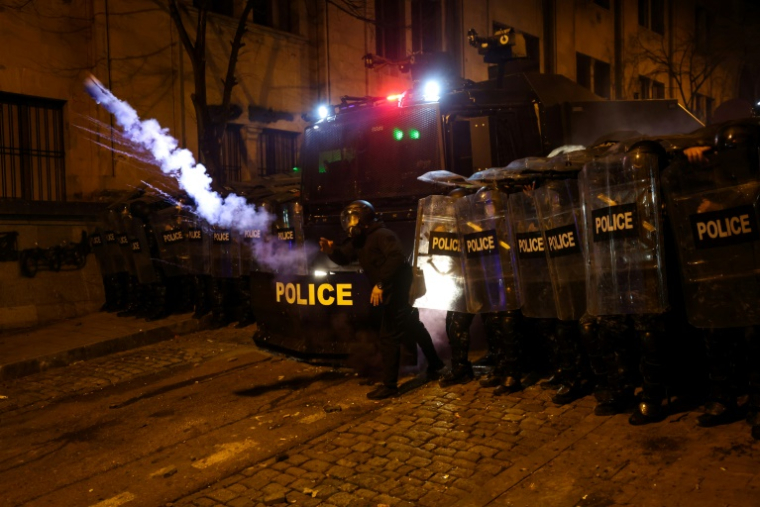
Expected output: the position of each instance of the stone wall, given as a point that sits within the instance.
(49, 296)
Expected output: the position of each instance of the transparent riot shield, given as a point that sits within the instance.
(225, 253)
(535, 281)
(714, 212)
(145, 270)
(199, 237)
(622, 211)
(438, 255)
(286, 253)
(488, 253)
(171, 231)
(112, 234)
(561, 219)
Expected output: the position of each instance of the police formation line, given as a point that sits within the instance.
(633, 274)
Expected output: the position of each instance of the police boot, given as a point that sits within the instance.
(650, 408)
(108, 292)
(121, 283)
(246, 309)
(202, 296)
(615, 342)
(160, 310)
(570, 384)
(186, 294)
(461, 374)
(219, 316)
(511, 384)
(721, 406)
(503, 327)
(133, 296)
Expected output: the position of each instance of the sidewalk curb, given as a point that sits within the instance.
(26, 367)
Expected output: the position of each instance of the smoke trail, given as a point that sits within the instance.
(232, 212)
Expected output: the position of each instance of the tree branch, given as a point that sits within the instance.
(237, 43)
(183, 35)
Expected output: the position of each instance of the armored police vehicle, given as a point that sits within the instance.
(375, 148)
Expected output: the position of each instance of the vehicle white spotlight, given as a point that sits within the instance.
(432, 91)
(322, 112)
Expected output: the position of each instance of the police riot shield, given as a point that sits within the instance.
(288, 245)
(488, 253)
(622, 211)
(225, 252)
(199, 237)
(437, 254)
(171, 231)
(99, 250)
(144, 269)
(713, 208)
(113, 236)
(561, 219)
(535, 280)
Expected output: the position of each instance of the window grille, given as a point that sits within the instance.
(232, 152)
(32, 158)
(278, 150)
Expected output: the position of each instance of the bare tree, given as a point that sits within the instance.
(211, 119)
(690, 62)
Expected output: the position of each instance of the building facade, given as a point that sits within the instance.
(58, 148)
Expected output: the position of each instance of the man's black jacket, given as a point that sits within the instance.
(379, 252)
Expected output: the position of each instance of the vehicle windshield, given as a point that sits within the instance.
(372, 153)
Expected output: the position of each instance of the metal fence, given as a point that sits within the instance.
(32, 158)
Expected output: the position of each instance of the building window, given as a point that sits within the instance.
(426, 26)
(32, 158)
(223, 7)
(652, 15)
(390, 29)
(645, 87)
(650, 89)
(583, 70)
(603, 3)
(602, 83)
(593, 74)
(278, 150)
(274, 14)
(232, 152)
(658, 90)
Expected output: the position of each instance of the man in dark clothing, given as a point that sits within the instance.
(382, 258)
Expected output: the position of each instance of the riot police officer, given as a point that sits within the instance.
(381, 256)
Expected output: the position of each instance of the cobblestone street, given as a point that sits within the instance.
(431, 447)
(467, 447)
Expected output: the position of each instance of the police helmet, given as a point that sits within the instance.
(733, 135)
(356, 217)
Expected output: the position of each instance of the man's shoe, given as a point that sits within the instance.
(568, 393)
(382, 393)
(460, 376)
(510, 385)
(648, 412)
(491, 381)
(614, 405)
(488, 360)
(717, 413)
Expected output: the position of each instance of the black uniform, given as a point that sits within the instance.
(381, 256)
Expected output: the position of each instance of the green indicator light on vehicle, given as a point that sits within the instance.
(296, 169)
(414, 134)
(398, 134)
